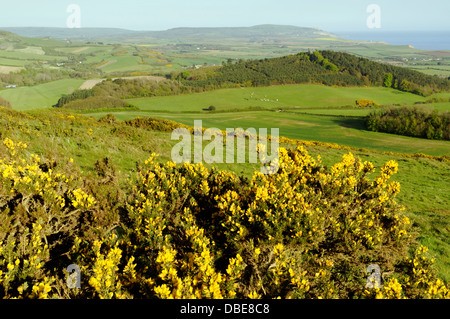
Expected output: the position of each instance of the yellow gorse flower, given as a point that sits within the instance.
(186, 231)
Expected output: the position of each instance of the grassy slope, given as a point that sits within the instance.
(442, 106)
(57, 136)
(425, 183)
(122, 63)
(332, 129)
(40, 96)
(299, 95)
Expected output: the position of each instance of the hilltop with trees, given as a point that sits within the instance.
(321, 67)
(324, 67)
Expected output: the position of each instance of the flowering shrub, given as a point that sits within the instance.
(366, 103)
(185, 231)
(39, 209)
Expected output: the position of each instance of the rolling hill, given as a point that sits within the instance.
(93, 190)
(128, 52)
(325, 67)
(254, 33)
(70, 144)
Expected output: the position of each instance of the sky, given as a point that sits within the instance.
(328, 15)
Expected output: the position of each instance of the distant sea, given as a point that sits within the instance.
(425, 40)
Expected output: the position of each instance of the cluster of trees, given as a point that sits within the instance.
(411, 122)
(319, 58)
(37, 73)
(379, 74)
(121, 89)
(113, 92)
(284, 70)
(30, 76)
(141, 87)
(325, 67)
(77, 95)
(96, 102)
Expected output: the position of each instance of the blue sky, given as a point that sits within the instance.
(329, 15)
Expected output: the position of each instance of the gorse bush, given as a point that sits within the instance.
(366, 103)
(40, 210)
(156, 124)
(185, 231)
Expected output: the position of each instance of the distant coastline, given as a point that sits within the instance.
(425, 40)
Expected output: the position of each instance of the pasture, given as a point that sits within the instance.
(10, 69)
(347, 131)
(39, 96)
(424, 182)
(293, 96)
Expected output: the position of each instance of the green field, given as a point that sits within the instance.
(333, 129)
(39, 96)
(37, 53)
(341, 111)
(441, 106)
(124, 64)
(326, 114)
(12, 62)
(424, 182)
(298, 95)
(314, 112)
(305, 112)
(442, 70)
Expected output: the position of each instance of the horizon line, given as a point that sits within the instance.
(234, 27)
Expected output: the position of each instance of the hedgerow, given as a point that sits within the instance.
(411, 122)
(186, 231)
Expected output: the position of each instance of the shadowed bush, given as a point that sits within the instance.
(96, 102)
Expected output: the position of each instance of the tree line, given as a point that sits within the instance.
(34, 75)
(411, 122)
(77, 95)
(380, 74)
(120, 89)
(113, 92)
(325, 67)
(31, 76)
